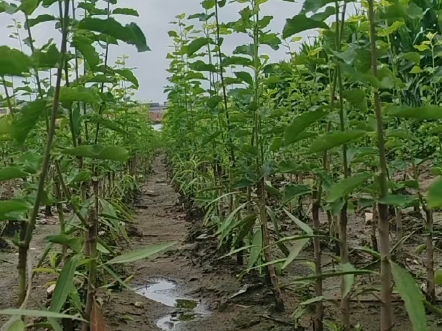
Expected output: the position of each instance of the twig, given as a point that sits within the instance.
(279, 321)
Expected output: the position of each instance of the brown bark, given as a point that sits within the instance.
(431, 286)
(345, 302)
(319, 308)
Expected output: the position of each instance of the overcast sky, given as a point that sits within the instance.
(155, 16)
(154, 20)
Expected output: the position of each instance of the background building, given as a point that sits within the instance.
(157, 111)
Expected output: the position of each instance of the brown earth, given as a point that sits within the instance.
(194, 266)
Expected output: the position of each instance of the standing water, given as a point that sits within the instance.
(164, 292)
(157, 126)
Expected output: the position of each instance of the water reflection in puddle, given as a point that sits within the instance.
(164, 291)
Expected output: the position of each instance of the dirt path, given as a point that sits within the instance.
(192, 271)
(159, 218)
(189, 288)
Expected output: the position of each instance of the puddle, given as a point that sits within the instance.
(164, 291)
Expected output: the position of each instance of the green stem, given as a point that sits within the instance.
(384, 231)
(24, 244)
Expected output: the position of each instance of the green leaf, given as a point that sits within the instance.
(13, 62)
(246, 49)
(48, 3)
(301, 23)
(84, 46)
(64, 285)
(434, 195)
(314, 5)
(130, 33)
(126, 11)
(46, 59)
(196, 44)
(270, 39)
(389, 30)
(111, 125)
(299, 223)
(277, 143)
(349, 278)
(141, 253)
(9, 173)
(80, 93)
(245, 77)
(40, 19)
(334, 139)
(208, 4)
(411, 295)
(13, 209)
(128, 75)
(173, 34)
(213, 102)
(294, 251)
(237, 60)
(411, 56)
(73, 243)
(438, 277)
(209, 138)
(17, 325)
(300, 124)
(200, 65)
(6, 126)
(38, 313)
(416, 70)
(293, 191)
(429, 112)
(357, 98)
(312, 300)
(28, 6)
(322, 16)
(100, 78)
(9, 8)
(399, 200)
(347, 185)
(256, 249)
(112, 153)
(27, 119)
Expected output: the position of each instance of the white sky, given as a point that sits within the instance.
(154, 19)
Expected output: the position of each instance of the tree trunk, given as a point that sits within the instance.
(319, 308)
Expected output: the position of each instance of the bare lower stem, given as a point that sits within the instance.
(59, 196)
(345, 302)
(399, 229)
(431, 286)
(374, 240)
(91, 253)
(319, 308)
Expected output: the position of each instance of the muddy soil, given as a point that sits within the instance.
(8, 267)
(189, 288)
(229, 303)
(161, 218)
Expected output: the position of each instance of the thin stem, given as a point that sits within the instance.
(386, 290)
(31, 45)
(223, 85)
(24, 244)
(8, 98)
(106, 58)
(91, 253)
